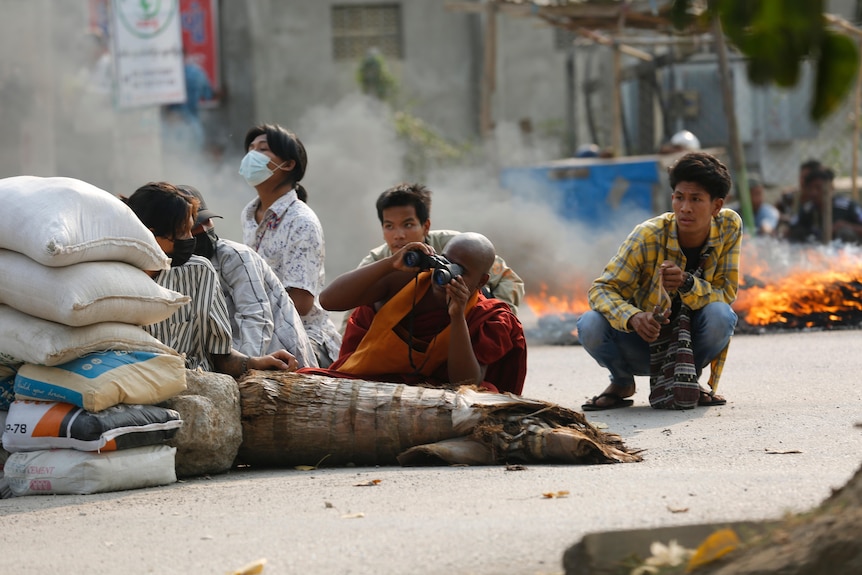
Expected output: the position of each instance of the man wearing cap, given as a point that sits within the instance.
(263, 317)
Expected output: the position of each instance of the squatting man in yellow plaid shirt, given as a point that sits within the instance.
(660, 257)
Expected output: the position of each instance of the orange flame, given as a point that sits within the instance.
(545, 303)
(801, 294)
(820, 283)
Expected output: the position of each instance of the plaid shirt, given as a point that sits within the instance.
(630, 281)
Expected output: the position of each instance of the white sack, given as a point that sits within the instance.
(85, 293)
(28, 339)
(64, 471)
(63, 221)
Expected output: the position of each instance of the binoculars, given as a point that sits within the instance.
(444, 270)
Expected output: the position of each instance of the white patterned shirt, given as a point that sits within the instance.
(263, 318)
(200, 328)
(290, 240)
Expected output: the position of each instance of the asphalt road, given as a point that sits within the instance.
(783, 441)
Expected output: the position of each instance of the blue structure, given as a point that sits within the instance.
(590, 190)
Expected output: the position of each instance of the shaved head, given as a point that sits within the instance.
(474, 252)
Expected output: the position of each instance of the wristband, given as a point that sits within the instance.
(687, 283)
(244, 365)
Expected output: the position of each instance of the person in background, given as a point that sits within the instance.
(789, 201)
(285, 231)
(183, 126)
(766, 216)
(200, 330)
(404, 212)
(682, 141)
(425, 327)
(262, 316)
(654, 272)
(807, 224)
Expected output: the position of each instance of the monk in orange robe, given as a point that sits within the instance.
(412, 327)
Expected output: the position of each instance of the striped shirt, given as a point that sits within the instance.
(201, 328)
(630, 281)
(263, 318)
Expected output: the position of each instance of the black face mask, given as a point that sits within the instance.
(183, 250)
(206, 244)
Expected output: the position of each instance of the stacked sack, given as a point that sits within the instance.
(79, 376)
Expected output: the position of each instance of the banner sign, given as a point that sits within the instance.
(200, 38)
(148, 52)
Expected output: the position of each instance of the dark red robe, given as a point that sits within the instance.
(497, 336)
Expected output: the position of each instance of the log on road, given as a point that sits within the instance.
(291, 419)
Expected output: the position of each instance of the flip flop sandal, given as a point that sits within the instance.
(711, 401)
(617, 402)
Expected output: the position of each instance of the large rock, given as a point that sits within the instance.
(211, 434)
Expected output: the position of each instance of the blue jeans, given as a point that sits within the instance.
(626, 355)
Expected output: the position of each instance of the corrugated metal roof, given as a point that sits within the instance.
(593, 14)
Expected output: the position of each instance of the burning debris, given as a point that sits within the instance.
(781, 287)
(793, 287)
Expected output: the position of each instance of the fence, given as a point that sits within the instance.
(681, 88)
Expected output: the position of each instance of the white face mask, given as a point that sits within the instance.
(255, 168)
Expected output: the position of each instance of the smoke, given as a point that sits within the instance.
(57, 121)
(354, 155)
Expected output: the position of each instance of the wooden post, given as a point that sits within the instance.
(617, 126)
(489, 70)
(857, 111)
(737, 157)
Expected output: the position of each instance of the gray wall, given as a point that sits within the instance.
(288, 66)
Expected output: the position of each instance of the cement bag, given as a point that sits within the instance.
(85, 293)
(104, 379)
(63, 221)
(7, 383)
(28, 339)
(39, 425)
(69, 471)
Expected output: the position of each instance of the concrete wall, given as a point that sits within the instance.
(277, 56)
(531, 86)
(278, 64)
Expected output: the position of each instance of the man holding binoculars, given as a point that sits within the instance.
(421, 318)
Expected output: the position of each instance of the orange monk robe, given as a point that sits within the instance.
(495, 332)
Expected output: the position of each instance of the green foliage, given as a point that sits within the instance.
(836, 68)
(374, 77)
(425, 147)
(777, 36)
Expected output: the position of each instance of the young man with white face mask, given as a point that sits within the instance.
(285, 231)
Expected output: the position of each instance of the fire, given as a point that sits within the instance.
(804, 287)
(780, 285)
(545, 303)
(796, 299)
